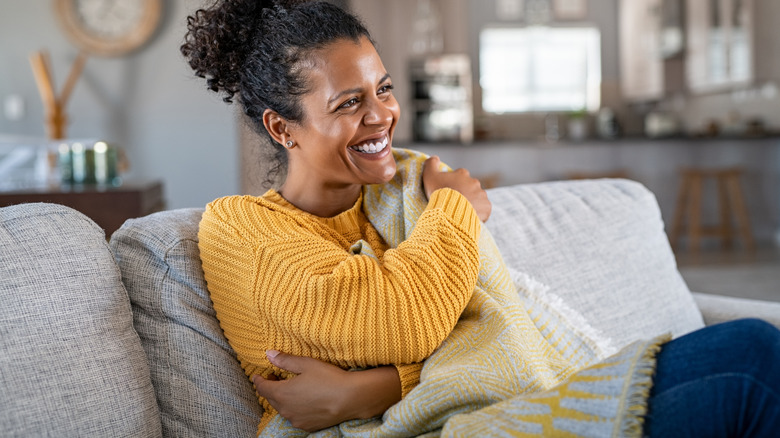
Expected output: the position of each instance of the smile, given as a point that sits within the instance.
(371, 148)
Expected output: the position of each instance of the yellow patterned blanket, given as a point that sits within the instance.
(512, 366)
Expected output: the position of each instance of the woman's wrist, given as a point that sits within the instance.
(371, 392)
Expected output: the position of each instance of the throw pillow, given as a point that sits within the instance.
(201, 388)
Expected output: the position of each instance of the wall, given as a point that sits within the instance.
(149, 102)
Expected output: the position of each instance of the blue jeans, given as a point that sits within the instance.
(720, 381)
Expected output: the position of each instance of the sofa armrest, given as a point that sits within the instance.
(717, 308)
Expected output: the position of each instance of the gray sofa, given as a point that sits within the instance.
(119, 338)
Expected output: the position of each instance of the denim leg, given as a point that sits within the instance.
(720, 381)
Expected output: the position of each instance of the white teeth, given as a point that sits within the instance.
(371, 148)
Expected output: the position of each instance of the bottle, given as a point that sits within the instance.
(607, 124)
(552, 132)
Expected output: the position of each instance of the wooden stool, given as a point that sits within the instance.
(730, 203)
(489, 181)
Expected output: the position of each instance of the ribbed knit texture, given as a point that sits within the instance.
(505, 369)
(331, 289)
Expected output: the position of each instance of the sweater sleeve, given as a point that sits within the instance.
(311, 297)
(409, 375)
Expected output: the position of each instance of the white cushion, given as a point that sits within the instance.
(600, 246)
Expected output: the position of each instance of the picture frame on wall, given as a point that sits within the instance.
(570, 9)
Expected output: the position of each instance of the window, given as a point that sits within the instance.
(540, 69)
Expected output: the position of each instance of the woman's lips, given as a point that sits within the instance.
(371, 147)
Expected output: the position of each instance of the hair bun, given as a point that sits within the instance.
(219, 37)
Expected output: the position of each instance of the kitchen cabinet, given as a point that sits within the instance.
(719, 53)
(641, 63)
(651, 49)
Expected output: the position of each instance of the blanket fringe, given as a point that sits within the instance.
(640, 385)
(540, 293)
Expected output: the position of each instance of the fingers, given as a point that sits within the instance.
(258, 381)
(463, 173)
(461, 180)
(432, 163)
(287, 362)
(484, 209)
(265, 387)
(430, 172)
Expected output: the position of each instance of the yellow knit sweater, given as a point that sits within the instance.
(330, 289)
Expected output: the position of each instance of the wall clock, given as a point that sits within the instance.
(109, 27)
(570, 9)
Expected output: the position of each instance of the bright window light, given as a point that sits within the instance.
(540, 69)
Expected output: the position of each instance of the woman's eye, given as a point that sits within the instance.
(349, 103)
(385, 89)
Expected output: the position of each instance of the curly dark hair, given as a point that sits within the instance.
(257, 50)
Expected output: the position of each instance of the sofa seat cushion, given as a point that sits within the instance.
(71, 363)
(201, 388)
(600, 247)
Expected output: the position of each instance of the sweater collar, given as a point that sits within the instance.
(342, 222)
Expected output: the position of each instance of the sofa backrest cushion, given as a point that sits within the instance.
(201, 389)
(600, 246)
(71, 363)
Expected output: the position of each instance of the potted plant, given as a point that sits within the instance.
(577, 125)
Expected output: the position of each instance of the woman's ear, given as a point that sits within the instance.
(276, 126)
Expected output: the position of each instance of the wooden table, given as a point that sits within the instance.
(108, 206)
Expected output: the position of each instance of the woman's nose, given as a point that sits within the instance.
(379, 112)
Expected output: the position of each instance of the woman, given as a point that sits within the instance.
(293, 269)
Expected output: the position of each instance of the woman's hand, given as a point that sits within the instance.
(323, 395)
(460, 180)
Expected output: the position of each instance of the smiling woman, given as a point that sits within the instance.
(302, 269)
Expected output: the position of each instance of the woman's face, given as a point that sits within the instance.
(349, 116)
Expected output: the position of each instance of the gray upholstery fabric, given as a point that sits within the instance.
(201, 389)
(70, 362)
(601, 247)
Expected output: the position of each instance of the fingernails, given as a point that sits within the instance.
(271, 353)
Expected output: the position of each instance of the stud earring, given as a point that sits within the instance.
(289, 144)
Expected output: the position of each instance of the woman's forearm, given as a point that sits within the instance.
(372, 392)
(323, 395)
